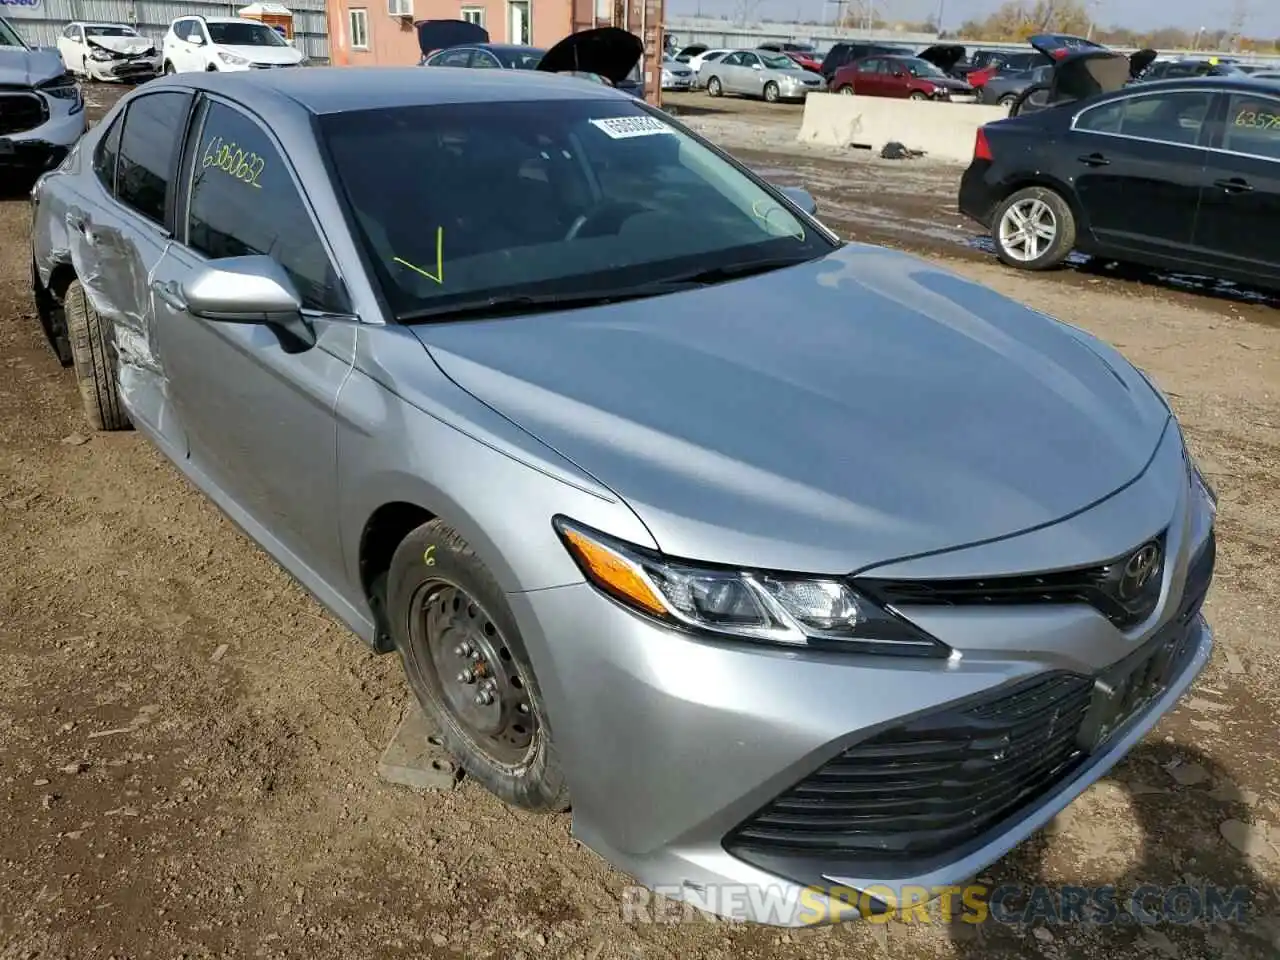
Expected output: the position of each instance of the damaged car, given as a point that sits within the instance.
(842, 598)
(41, 105)
(109, 52)
(1079, 72)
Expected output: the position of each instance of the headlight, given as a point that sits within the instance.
(64, 87)
(757, 605)
(232, 59)
(99, 54)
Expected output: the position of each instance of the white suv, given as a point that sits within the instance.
(225, 43)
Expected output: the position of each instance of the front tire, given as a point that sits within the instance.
(93, 355)
(771, 92)
(713, 87)
(846, 90)
(169, 69)
(468, 667)
(1034, 229)
(917, 95)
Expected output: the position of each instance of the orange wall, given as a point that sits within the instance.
(395, 43)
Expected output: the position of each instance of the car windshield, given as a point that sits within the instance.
(548, 198)
(110, 32)
(521, 58)
(777, 61)
(922, 68)
(9, 37)
(245, 35)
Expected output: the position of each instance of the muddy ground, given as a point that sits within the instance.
(188, 742)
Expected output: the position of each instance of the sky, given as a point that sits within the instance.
(1263, 16)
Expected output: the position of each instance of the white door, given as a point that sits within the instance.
(518, 28)
(71, 50)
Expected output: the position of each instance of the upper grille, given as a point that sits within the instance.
(932, 783)
(1097, 586)
(20, 112)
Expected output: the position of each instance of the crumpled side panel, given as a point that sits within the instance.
(49, 245)
(116, 283)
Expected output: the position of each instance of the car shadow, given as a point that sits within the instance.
(1181, 846)
(678, 108)
(17, 184)
(1170, 280)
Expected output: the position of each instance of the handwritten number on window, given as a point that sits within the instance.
(1257, 121)
(244, 166)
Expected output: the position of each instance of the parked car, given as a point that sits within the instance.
(947, 57)
(787, 46)
(195, 44)
(1141, 173)
(108, 51)
(807, 59)
(686, 54)
(1080, 74)
(487, 56)
(842, 53)
(676, 75)
(696, 62)
(1192, 67)
(436, 35)
(1048, 47)
(1004, 88)
(41, 106)
(608, 52)
(758, 73)
(908, 78)
(610, 535)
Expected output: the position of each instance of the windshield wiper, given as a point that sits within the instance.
(733, 271)
(516, 304)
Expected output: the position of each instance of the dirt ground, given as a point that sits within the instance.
(188, 742)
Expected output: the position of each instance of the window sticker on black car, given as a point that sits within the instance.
(1257, 119)
(624, 128)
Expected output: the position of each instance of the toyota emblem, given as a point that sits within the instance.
(1139, 570)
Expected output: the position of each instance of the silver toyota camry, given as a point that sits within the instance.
(851, 597)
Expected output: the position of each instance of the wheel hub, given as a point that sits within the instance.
(482, 685)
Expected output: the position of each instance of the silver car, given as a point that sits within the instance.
(778, 600)
(41, 105)
(759, 73)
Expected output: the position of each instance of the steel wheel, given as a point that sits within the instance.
(481, 684)
(1027, 229)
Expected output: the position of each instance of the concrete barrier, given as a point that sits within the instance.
(944, 131)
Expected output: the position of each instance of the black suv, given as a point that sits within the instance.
(843, 53)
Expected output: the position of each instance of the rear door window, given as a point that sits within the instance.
(149, 142)
(1175, 117)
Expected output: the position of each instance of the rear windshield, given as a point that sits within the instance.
(545, 198)
(245, 35)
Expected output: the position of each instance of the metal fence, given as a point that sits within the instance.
(41, 22)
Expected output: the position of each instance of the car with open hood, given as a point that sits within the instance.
(1047, 48)
(108, 52)
(906, 78)
(795, 601)
(608, 52)
(1003, 89)
(1079, 72)
(947, 57)
(759, 73)
(41, 106)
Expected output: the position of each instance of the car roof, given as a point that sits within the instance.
(100, 23)
(324, 90)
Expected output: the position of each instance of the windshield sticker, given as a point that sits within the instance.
(231, 160)
(625, 128)
(438, 276)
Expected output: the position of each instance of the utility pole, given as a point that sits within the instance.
(1239, 17)
(839, 5)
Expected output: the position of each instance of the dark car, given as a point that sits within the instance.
(908, 78)
(949, 58)
(1173, 174)
(843, 53)
(1193, 67)
(1048, 47)
(1005, 88)
(434, 35)
(492, 56)
(1080, 73)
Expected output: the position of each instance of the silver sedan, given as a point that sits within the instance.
(858, 595)
(759, 73)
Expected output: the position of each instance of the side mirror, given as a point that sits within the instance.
(756, 66)
(196, 39)
(900, 74)
(249, 290)
(802, 198)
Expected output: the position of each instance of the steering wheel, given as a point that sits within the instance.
(607, 217)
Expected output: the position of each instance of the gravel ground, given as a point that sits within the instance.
(188, 742)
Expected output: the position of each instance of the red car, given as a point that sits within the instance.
(908, 78)
(806, 58)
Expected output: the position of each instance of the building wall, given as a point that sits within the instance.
(40, 21)
(393, 41)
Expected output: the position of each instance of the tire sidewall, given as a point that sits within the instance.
(538, 784)
(771, 93)
(713, 87)
(1064, 237)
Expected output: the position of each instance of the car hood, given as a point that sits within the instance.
(1057, 46)
(125, 45)
(943, 56)
(257, 53)
(1089, 73)
(438, 34)
(610, 52)
(26, 68)
(906, 410)
(949, 83)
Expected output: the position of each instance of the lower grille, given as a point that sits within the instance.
(20, 112)
(932, 783)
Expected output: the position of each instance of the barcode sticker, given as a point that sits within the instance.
(624, 128)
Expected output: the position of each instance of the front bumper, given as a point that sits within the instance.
(44, 143)
(684, 757)
(124, 69)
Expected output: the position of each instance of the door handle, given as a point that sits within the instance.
(1093, 160)
(1234, 185)
(170, 293)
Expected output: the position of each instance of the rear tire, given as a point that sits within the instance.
(1008, 100)
(1033, 229)
(449, 617)
(713, 87)
(93, 354)
(771, 92)
(169, 69)
(846, 90)
(917, 95)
